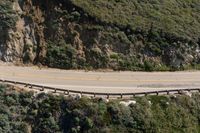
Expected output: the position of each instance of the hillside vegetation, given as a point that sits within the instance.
(26, 112)
(91, 34)
(178, 17)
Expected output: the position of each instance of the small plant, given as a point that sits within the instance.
(7, 15)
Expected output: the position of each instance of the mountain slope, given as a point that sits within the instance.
(116, 34)
(179, 17)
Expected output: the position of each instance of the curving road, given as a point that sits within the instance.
(106, 82)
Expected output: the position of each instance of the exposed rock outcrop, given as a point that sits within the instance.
(61, 34)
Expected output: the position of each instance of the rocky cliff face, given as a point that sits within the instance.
(61, 34)
(24, 41)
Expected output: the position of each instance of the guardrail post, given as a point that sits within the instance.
(42, 89)
(31, 86)
(133, 95)
(108, 96)
(81, 93)
(157, 93)
(168, 92)
(26, 85)
(121, 95)
(94, 95)
(179, 92)
(55, 90)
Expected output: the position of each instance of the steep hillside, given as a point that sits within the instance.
(92, 34)
(178, 17)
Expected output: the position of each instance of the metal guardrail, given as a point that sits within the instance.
(94, 94)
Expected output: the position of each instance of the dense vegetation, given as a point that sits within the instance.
(24, 112)
(126, 35)
(7, 15)
(118, 34)
(179, 17)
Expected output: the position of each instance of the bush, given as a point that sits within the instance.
(49, 114)
(7, 15)
(61, 56)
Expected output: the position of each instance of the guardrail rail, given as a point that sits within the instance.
(94, 94)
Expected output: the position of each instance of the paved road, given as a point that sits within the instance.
(106, 82)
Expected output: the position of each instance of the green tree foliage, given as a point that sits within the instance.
(61, 55)
(7, 15)
(24, 112)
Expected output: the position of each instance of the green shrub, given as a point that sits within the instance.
(61, 55)
(7, 15)
(48, 113)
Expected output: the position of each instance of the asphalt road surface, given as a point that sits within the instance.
(106, 82)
